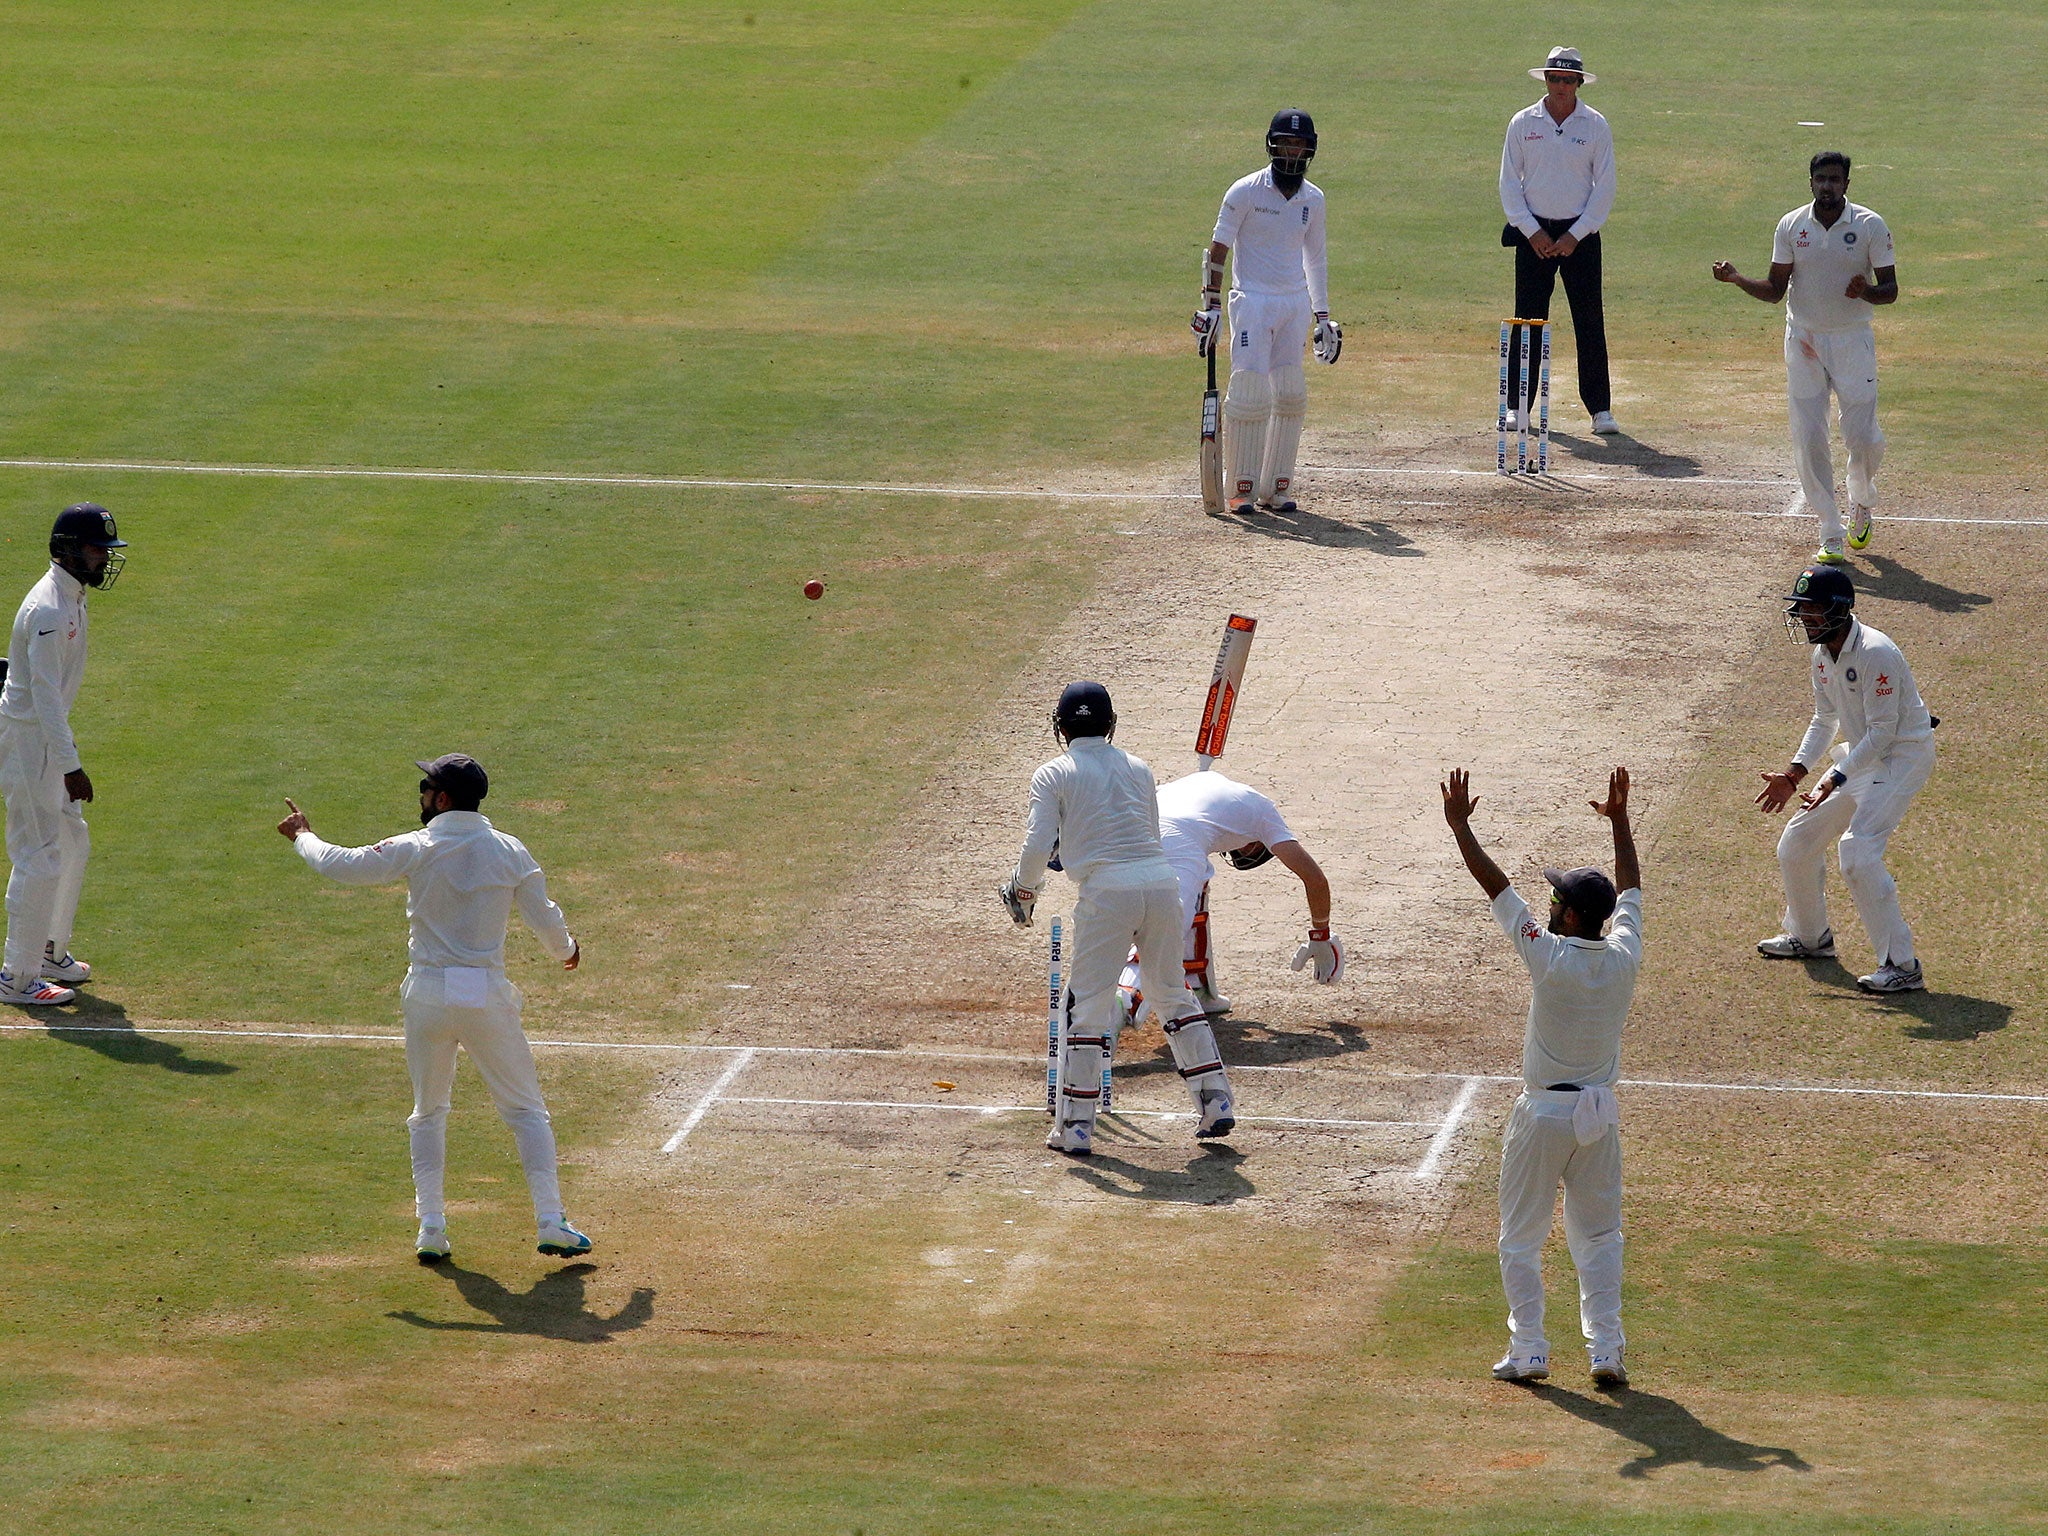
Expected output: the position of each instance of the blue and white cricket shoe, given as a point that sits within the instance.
(432, 1243)
(559, 1240)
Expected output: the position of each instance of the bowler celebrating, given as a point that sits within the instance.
(1280, 289)
(463, 877)
(1830, 261)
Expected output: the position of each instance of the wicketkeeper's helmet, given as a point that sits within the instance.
(1084, 710)
(88, 524)
(1820, 584)
(1291, 123)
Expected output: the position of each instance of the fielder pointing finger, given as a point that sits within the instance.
(1100, 807)
(1280, 293)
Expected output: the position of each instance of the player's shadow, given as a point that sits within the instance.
(554, 1309)
(1306, 527)
(1265, 1045)
(1902, 584)
(1210, 1177)
(104, 1026)
(1947, 1015)
(1671, 1434)
(1624, 452)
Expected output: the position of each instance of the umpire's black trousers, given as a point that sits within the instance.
(1536, 279)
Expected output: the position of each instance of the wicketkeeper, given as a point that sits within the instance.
(1100, 807)
(1280, 288)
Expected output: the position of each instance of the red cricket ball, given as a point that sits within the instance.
(814, 589)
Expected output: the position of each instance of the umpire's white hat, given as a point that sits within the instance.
(1562, 58)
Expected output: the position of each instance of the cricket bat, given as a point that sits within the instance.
(1223, 686)
(1212, 438)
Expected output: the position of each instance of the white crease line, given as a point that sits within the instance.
(723, 1081)
(1039, 1109)
(1566, 475)
(1453, 1118)
(1332, 1074)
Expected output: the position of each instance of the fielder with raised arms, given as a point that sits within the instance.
(1864, 691)
(1100, 807)
(1830, 261)
(1280, 289)
(1205, 814)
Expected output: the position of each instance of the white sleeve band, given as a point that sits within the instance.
(1212, 276)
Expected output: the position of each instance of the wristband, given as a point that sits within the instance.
(1319, 935)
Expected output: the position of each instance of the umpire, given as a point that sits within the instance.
(1557, 188)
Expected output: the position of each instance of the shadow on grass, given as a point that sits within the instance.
(1623, 452)
(1948, 1015)
(1305, 527)
(1671, 1433)
(105, 1027)
(1259, 1045)
(1904, 585)
(554, 1309)
(1211, 1177)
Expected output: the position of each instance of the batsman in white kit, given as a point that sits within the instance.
(1830, 261)
(45, 783)
(1565, 1126)
(1864, 691)
(463, 879)
(1100, 807)
(1205, 814)
(1279, 294)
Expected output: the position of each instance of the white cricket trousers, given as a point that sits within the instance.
(1863, 813)
(495, 1042)
(47, 843)
(1116, 908)
(1539, 1151)
(1267, 401)
(1845, 361)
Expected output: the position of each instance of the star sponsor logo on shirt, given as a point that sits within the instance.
(1803, 239)
(1529, 928)
(1884, 685)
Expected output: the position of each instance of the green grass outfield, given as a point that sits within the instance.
(856, 241)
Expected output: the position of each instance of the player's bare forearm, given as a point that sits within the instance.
(1884, 291)
(1761, 288)
(1314, 883)
(1459, 805)
(1628, 874)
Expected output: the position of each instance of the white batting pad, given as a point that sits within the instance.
(1283, 441)
(1247, 416)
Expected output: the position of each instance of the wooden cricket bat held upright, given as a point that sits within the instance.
(1212, 437)
(1223, 686)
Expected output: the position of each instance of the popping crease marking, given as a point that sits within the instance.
(1865, 1090)
(1447, 1129)
(723, 1081)
(1039, 1109)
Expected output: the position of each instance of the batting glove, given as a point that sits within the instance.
(1326, 952)
(1018, 900)
(1205, 324)
(1329, 339)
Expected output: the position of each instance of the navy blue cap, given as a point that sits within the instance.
(461, 775)
(1586, 891)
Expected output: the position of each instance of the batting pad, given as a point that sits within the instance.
(1283, 441)
(1248, 414)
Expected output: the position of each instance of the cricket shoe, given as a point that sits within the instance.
(1609, 1373)
(1075, 1138)
(69, 968)
(33, 993)
(1831, 553)
(1859, 527)
(1218, 1117)
(1894, 978)
(432, 1243)
(1604, 424)
(1280, 507)
(1243, 508)
(559, 1240)
(1785, 947)
(1514, 1367)
(1212, 1004)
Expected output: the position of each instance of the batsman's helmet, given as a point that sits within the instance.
(1291, 123)
(1083, 710)
(88, 525)
(1819, 584)
(1250, 856)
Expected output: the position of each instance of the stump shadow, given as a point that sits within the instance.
(1623, 452)
(554, 1309)
(1670, 1433)
(1304, 527)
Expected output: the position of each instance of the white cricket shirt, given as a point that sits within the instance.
(1206, 813)
(1553, 170)
(1579, 995)
(1101, 805)
(46, 662)
(1868, 693)
(1824, 259)
(463, 877)
(1277, 244)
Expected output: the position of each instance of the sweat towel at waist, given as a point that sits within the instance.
(1594, 1110)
